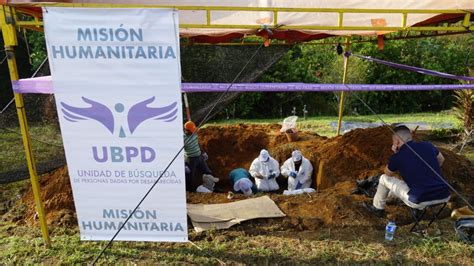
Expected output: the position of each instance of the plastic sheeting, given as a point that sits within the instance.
(224, 215)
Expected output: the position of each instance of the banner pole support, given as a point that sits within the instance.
(186, 106)
(344, 81)
(10, 40)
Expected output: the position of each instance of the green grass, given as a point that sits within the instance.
(46, 143)
(23, 245)
(321, 124)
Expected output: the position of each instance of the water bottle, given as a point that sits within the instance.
(390, 231)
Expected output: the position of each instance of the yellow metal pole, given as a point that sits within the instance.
(344, 80)
(10, 39)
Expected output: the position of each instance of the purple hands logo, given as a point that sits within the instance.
(137, 114)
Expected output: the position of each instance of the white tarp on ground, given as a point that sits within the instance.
(119, 106)
(224, 215)
(298, 18)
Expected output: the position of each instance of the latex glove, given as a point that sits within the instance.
(205, 157)
(271, 176)
(298, 185)
(293, 174)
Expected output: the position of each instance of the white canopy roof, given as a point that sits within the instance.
(295, 19)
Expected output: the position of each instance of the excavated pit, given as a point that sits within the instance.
(338, 162)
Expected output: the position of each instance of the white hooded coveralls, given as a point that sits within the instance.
(261, 171)
(303, 175)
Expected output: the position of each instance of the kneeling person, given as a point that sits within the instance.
(241, 183)
(298, 169)
(265, 170)
(420, 184)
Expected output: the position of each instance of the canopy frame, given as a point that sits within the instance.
(37, 23)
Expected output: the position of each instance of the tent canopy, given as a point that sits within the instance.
(215, 21)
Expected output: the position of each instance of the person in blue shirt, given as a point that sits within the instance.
(420, 184)
(241, 182)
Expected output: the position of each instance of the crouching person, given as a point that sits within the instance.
(241, 183)
(194, 158)
(265, 170)
(299, 170)
(421, 184)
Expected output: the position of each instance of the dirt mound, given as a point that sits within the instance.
(354, 155)
(56, 193)
(234, 146)
(338, 162)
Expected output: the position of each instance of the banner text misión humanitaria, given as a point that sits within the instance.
(127, 51)
(117, 86)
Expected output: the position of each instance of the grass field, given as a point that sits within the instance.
(23, 245)
(322, 124)
(20, 244)
(46, 142)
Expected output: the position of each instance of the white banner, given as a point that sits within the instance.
(116, 76)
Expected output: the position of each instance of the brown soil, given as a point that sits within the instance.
(357, 154)
(56, 193)
(334, 207)
(354, 155)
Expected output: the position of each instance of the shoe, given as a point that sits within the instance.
(377, 212)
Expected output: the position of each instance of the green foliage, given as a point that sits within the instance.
(37, 49)
(450, 55)
(321, 64)
(464, 108)
(444, 133)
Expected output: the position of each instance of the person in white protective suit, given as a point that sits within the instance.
(265, 170)
(299, 170)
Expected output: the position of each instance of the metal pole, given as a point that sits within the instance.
(10, 39)
(344, 80)
(186, 106)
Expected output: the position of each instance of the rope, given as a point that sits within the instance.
(40, 66)
(204, 120)
(411, 149)
(25, 38)
(13, 99)
(3, 60)
(34, 74)
(8, 105)
(418, 70)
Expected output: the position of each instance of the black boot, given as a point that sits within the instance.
(371, 208)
